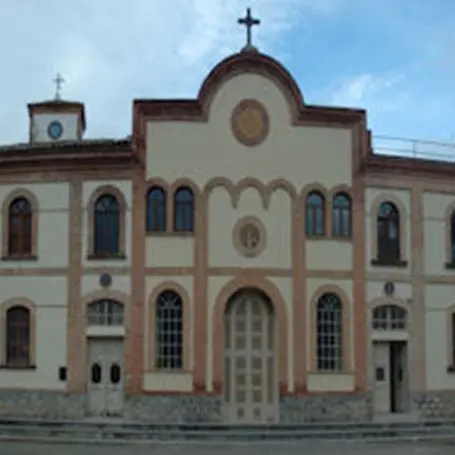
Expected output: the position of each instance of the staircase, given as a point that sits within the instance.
(119, 432)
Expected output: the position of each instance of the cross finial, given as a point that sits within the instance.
(248, 21)
(59, 81)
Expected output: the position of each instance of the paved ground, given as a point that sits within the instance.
(12, 448)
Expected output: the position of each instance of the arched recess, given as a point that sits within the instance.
(31, 307)
(150, 324)
(373, 212)
(118, 194)
(451, 338)
(33, 200)
(346, 334)
(251, 182)
(266, 287)
(449, 243)
(277, 185)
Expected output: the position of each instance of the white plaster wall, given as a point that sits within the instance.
(375, 290)
(158, 380)
(319, 382)
(125, 186)
(435, 206)
(404, 197)
(178, 382)
(169, 251)
(53, 222)
(438, 299)
(328, 255)
(215, 286)
(40, 123)
(91, 283)
(276, 220)
(313, 285)
(300, 154)
(50, 297)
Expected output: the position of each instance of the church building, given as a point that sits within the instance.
(242, 257)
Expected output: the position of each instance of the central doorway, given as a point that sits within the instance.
(250, 384)
(390, 363)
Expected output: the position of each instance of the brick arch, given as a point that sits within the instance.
(277, 185)
(402, 212)
(251, 182)
(151, 323)
(118, 194)
(346, 308)
(31, 307)
(15, 194)
(266, 287)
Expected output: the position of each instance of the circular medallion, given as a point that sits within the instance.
(250, 122)
(389, 288)
(105, 280)
(249, 236)
(55, 130)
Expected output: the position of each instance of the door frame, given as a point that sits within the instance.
(267, 306)
(100, 337)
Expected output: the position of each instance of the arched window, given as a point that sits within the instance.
(315, 214)
(389, 317)
(107, 226)
(105, 312)
(169, 331)
(452, 237)
(183, 210)
(388, 223)
(341, 216)
(329, 333)
(18, 336)
(156, 209)
(20, 227)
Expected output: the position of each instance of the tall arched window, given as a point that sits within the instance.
(107, 226)
(156, 209)
(315, 214)
(183, 210)
(18, 336)
(20, 227)
(169, 331)
(341, 216)
(452, 237)
(388, 229)
(329, 333)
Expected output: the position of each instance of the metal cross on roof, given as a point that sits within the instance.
(59, 81)
(248, 21)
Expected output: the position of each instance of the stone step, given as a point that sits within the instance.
(137, 433)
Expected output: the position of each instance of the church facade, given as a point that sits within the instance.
(242, 257)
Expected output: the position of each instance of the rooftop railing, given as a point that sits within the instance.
(414, 148)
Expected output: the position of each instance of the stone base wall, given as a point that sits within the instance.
(182, 408)
(41, 404)
(434, 404)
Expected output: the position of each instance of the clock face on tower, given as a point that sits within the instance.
(55, 129)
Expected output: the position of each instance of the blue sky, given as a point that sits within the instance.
(395, 58)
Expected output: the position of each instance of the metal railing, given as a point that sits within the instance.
(414, 148)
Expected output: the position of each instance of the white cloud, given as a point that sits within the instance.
(111, 51)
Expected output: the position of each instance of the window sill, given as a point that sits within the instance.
(18, 367)
(317, 237)
(450, 265)
(341, 239)
(101, 257)
(28, 257)
(384, 263)
(170, 234)
(451, 369)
